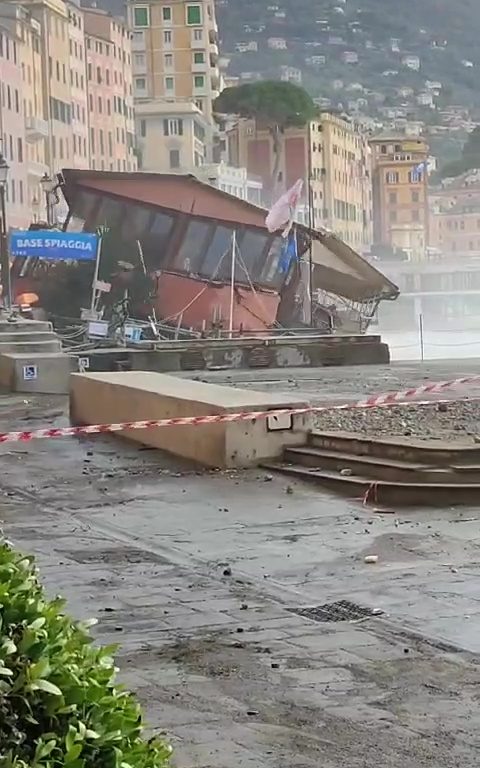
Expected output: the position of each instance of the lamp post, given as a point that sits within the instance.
(4, 258)
(48, 186)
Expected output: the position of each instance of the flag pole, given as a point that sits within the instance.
(232, 283)
(95, 276)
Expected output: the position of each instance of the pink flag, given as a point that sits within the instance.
(283, 210)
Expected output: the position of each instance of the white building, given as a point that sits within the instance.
(350, 57)
(277, 43)
(412, 62)
(291, 75)
(425, 100)
(318, 60)
(234, 181)
(252, 45)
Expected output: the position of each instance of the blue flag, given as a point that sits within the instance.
(289, 253)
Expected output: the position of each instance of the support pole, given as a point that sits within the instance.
(232, 284)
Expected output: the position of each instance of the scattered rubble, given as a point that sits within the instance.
(438, 421)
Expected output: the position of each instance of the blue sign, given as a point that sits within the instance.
(55, 246)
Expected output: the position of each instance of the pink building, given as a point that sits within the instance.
(110, 99)
(78, 86)
(12, 130)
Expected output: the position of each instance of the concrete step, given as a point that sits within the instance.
(23, 326)
(434, 453)
(54, 345)
(384, 492)
(47, 372)
(380, 468)
(19, 337)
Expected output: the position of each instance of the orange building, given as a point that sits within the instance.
(400, 193)
(456, 230)
(331, 156)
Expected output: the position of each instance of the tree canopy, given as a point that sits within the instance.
(469, 160)
(273, 103)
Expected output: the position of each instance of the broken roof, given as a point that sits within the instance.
(339, 268)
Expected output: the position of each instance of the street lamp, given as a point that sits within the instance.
(4, 258)
(48, 186)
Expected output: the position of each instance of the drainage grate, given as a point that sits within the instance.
(260, 357)
(115, 556)
(342, 610)
(192, 361)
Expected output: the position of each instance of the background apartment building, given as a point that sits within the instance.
(80, 150)
(455, 216)
(52, 114)
(12, 122)
(171, 137)
(400, 194)
(333, 159)
(341, 159)
(175, 61)
(110, 92)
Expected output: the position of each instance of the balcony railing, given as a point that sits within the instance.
(35, 129)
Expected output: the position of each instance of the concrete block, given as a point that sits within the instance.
(46, 372)
(18, 337)
(24, 326)
(54, 345)
(99, 398)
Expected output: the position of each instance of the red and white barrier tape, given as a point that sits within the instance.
(375, 401)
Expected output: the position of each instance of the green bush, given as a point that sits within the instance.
(59, 703)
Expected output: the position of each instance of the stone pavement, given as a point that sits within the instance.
(237, 680)
(196, 575)
(347, 383)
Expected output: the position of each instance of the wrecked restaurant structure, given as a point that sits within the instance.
(185, 229)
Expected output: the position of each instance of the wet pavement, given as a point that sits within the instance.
(349, 383)
(199, 576)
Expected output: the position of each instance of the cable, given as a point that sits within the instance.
(200, 293)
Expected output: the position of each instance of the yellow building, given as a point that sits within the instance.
(341, 158)
(331, 156)
(400, 193)
(53, 17)
(171, 137)
(175, 60)
(78, 86)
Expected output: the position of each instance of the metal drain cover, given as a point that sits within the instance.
(116, 556)
(342, 610)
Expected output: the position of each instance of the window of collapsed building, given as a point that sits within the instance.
(155, 242)
(192, 247)
(110, 214)
(218, 258)
(83, 212)
(250, 259)
(273, 272)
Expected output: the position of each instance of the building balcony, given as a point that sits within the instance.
(213, 35)
(197, 45)
(214, 50)
(36, 129)
(138, 41)
(36, 170)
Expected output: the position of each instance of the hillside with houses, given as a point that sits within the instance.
(409, 61)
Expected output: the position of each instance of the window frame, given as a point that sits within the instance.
(191, 7)
(145, 8)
